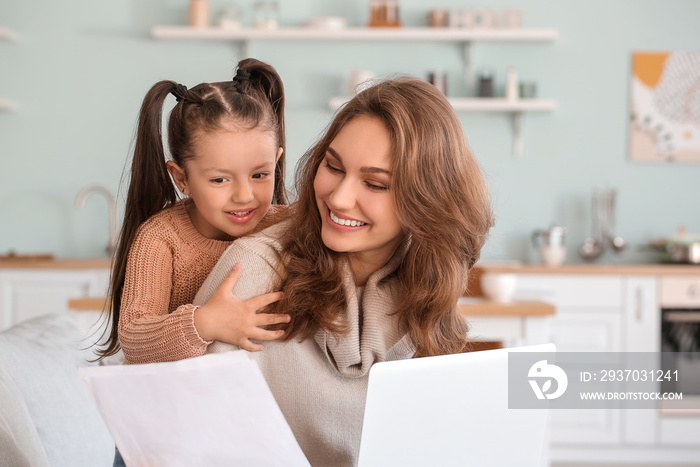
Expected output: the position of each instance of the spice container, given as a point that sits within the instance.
(384, 13)
(198, 14)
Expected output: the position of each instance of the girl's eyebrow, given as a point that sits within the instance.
(266, 165)
(371, 170)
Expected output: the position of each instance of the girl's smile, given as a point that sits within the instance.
(230, 179)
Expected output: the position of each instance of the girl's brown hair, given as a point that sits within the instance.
(443, 205)
(254, 98)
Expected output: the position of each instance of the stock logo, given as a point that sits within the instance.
(545, 373)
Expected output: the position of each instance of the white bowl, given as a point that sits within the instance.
(499, 287)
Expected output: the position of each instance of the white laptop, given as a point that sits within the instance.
(449, 411)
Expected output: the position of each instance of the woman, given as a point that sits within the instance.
(391, 216)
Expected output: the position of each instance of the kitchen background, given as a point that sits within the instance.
(79, 70)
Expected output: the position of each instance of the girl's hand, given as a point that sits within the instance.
(229, 319)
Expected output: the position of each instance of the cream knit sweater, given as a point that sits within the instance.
(320, 384)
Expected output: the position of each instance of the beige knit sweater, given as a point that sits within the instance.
(320, 384)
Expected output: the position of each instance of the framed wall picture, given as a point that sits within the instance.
(665, 107)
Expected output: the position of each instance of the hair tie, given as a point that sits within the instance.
(241, 75)
(179, 92)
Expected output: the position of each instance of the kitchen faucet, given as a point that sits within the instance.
(112, 201)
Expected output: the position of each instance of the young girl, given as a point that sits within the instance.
(227, 146)
(392, 214)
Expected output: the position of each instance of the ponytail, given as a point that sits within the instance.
(150, 190)
(259, 75)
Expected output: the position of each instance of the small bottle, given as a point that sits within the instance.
(198, 14)
(512, 85)
(438, 78)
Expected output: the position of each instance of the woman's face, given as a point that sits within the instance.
(352, 187)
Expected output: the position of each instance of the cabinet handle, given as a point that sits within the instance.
(639, 304)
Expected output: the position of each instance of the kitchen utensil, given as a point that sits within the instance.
(592, 248)
(608, 204)
(602, 226)
(682, 248)
(550, 244)
(618, 244)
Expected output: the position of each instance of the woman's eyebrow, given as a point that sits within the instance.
(371, 170)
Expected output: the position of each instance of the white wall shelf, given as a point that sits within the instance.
(482, 104)
(514, 107)
(462, 36)
(7, 34)
(355, 34)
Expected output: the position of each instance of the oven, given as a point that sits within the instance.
(679, 299)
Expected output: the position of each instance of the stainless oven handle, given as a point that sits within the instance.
(682, 316)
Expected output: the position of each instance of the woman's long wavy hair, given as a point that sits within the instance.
(254, 99)
(441, 200)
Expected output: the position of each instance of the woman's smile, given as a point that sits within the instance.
(345, 221)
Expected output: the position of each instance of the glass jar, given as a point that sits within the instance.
(266, 14)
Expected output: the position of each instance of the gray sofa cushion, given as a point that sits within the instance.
(40, 357)
(20, 445)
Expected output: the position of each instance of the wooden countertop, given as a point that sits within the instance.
(88, 304)
(44, 262)
(467, 307)
(612, 269)
(482, 307)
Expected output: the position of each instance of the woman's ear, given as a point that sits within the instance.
(179, 175)
(279, 154)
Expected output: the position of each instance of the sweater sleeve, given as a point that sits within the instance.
(259, 262)
(147, 331)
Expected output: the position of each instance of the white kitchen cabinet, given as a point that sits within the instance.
(588, 319)
(611, 313)
(26, 293)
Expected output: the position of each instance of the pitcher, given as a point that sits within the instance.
(550, 244)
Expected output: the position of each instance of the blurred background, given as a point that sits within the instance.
(75, 72)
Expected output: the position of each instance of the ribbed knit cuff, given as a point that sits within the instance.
(189, 330)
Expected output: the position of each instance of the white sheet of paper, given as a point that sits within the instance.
(213, 410)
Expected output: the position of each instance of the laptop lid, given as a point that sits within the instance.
(449, 410)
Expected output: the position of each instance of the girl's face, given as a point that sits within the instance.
(231, 180)
(352, 187)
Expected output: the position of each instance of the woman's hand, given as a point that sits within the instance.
(228, 319)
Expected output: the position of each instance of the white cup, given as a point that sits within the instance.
(552, 255)
(499, 287)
